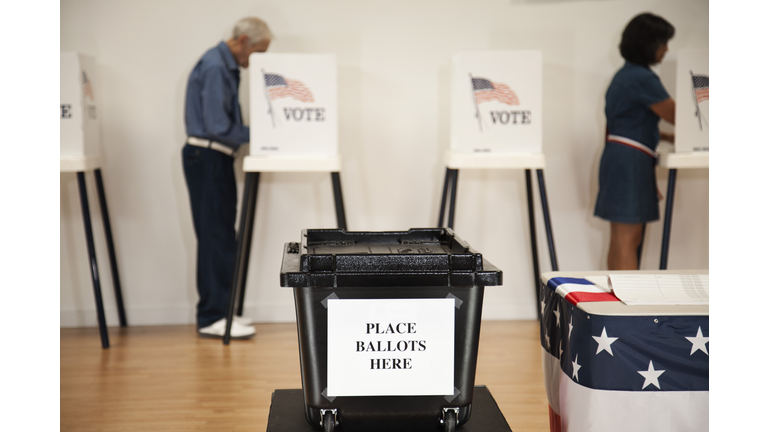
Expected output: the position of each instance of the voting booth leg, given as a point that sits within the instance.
(547, 222)
(248, 241)
(452, 209)
(532, 225)
(110, 248)
(92, 261)
(244, 237)
(341, 217)
(444, 197)
(668, 218)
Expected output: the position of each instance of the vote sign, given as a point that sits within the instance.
(293, 104)
(390, 347)
(496, 102)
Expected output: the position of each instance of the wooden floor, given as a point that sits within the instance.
(166, 378)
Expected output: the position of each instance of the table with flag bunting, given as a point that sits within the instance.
(610, 366)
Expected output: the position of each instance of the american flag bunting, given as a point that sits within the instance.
(601, 369)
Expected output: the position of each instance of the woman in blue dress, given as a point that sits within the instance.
(635, 101)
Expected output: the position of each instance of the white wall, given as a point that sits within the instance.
(394, 59)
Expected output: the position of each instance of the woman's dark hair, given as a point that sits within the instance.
(642, 38)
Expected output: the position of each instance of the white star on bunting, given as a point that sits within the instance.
(542, 306)
(651, 376)
(576, 367)
(546, 337)
(604, 342)
(570, 328)
(698, 342)
(557, 314)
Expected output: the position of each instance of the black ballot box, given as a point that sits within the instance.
(388, 326)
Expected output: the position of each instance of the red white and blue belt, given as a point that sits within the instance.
(632, 143)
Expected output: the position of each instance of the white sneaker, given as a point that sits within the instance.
(242, 320)
(217, 329)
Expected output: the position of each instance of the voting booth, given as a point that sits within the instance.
(294, 128)
(80, 149)
(294, 105)
(496, 102)
(388, 325)
(496, 123)
(691, 147)
(692, 101)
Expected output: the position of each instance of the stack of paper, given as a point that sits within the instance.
(658, 289)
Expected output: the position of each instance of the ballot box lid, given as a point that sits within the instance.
(417, 257)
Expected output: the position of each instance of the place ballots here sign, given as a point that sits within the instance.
(293, 105)
(391, 347)
(79, 112)
(692, 101)
(496, 102)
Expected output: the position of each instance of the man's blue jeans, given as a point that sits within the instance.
(210, 177)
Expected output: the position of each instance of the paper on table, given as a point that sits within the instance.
(655, 289)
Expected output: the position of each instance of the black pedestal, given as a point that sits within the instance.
(287, 413)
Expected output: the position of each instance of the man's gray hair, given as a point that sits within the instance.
(254, 28)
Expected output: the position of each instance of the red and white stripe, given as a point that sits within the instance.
(632, 143)
(88, 91)
(575, 293)
(501, 92)
(295, 89)
(702, 94)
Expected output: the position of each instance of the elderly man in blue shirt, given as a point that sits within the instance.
(215, 131)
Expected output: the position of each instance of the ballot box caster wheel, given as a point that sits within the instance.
(450, 419)
(328, 423)
(329, 419)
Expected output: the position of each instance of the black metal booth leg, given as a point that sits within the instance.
(452, 208)
(244, 237)
(111, 248)
(532, 225)
(92, 261)
(668, 218)
(547, 222)
(341, 217)
(248, 243)
(444, 197)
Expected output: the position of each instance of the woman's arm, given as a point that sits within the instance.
(665, 109)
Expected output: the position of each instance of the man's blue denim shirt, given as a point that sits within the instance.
(212, 108)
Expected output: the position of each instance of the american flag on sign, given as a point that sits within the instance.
(632, 373)
(701, 87)
(281, 87)
(486, 90)
(87, 89)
